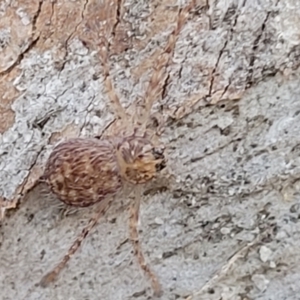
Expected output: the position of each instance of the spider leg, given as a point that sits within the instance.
(155, 87)
(113, 97)
(112, 9)
(134, 217)
(100, 26)
(52, 275)
(160, 75)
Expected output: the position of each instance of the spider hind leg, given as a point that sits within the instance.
(134, 237)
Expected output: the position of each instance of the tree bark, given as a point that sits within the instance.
(231, 108)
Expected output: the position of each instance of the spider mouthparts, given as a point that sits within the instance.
(160, 165)
(158, 153)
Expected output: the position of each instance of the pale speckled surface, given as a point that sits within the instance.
(236, 162)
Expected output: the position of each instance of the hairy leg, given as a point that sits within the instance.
(102, 19)
(105, 44)
(52, 275)
(134, 217)
(160, 75)
(113, 97)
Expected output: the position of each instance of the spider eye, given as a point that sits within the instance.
(158, 153)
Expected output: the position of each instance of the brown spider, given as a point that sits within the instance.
(86, 171)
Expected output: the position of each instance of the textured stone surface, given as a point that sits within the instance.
(235, 154)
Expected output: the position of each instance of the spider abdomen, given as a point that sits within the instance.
(82, 172)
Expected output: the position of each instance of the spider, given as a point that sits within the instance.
(87, 171)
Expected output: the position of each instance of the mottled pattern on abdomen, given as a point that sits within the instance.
(81, 172)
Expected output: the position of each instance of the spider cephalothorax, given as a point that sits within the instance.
(139, 160)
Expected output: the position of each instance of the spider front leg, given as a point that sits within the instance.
(155, 88)
(159, 78)
(119, 110)
(134, 218)
(52, 275)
